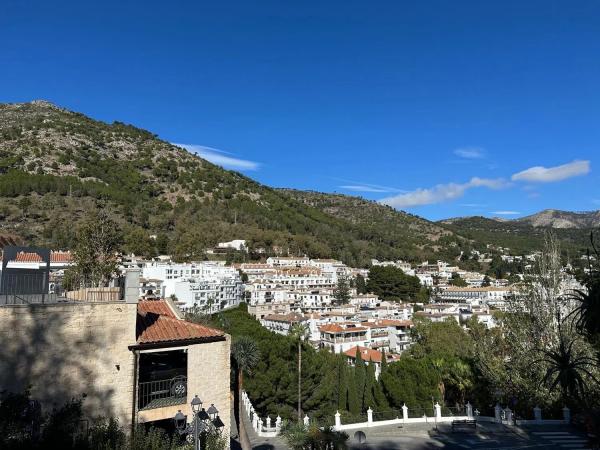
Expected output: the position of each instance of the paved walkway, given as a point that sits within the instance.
(426, 436)
(258, 442)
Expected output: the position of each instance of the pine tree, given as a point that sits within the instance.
(341, 292)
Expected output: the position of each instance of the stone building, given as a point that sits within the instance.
(131, 359)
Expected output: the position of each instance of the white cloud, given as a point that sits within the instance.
(540, 174)
(473, 205)
(505, 213)
(441, 193)
(359, 186)
(220, 157)
(470, 152)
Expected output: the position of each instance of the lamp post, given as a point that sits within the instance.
(203, 421)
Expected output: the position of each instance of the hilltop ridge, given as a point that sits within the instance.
(56, 165)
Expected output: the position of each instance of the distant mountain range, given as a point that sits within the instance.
(548, 218)
(554, 218)
(57, 165)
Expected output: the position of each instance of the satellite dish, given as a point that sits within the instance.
(360, 437)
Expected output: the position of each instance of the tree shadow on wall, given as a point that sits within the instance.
(40, 355)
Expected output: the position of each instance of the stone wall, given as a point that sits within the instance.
(68, 350)
(208, 376)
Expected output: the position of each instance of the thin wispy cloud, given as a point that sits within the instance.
(220, 157)
(473, 205)
(359, 186)
(540, 174)
(470, 152)
(441, 193)
(505, 213)
(362, 188)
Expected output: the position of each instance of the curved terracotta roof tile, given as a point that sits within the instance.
(157, 323)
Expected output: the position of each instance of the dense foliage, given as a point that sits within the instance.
(23, 426)
(57, 166)
(439, 366)
(391, 283)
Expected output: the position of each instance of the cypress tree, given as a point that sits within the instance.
(383, 361)
(369, 386)
(360, 373)
(342, 386)
(353, 397)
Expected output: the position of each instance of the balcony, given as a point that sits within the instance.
(340, 340)
(161, 393)
(162, 379)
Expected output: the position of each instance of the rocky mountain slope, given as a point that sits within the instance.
(517, 235)
(563, 219)
(56, 166)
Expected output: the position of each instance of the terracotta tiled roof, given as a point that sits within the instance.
(160, 307)
(335, 328)
(60, 257)
(156, 323)
(291, 317)
(27, 257)
(387, 323)
(369, 354)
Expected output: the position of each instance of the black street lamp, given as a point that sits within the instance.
(203, 421)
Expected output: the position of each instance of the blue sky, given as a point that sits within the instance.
(440, 108)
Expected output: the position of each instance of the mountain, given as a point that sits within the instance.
(520, 236)
(563, 219)
(56, 166)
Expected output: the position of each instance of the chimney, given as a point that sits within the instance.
(132, 285)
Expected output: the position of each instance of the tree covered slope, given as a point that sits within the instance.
(57, 165)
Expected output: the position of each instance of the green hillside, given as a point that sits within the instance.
(57, 165)
(519, 236)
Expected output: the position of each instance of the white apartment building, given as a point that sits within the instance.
(425, 279)
(475, 295)
(236, 244)
(311, 298)
(339, 337)
(211, 286)
(281, 323)
(294, 261)
(388, 334)
(440, 313)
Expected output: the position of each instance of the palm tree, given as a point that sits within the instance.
(246, 356)
(299, 332)
(568, 369)
(587, 312)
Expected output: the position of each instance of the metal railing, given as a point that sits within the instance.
(28, 289)
(161, 393)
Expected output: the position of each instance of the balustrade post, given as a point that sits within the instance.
(278, 424)
(567, 415)
(438, 411)
(404, 412)
(537, 414)
(498, 413)
(509, 416)
(369, 417)
(338, 419)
